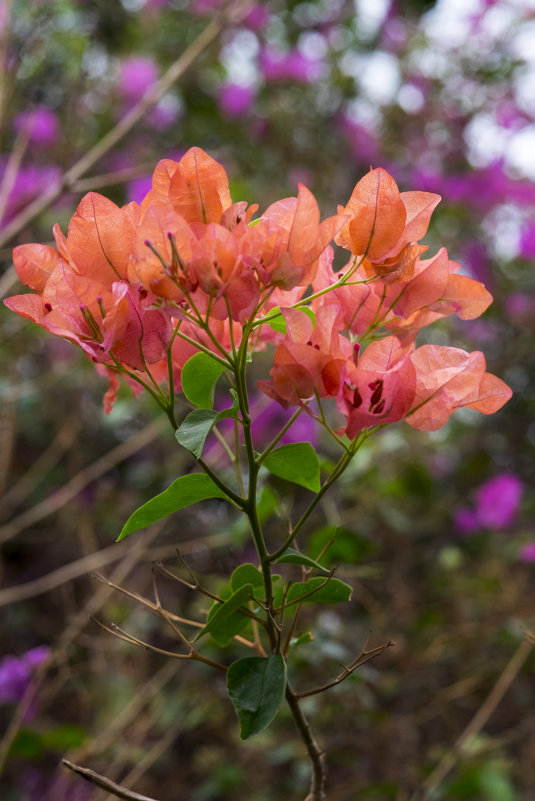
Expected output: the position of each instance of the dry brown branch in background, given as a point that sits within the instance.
(101, 781)
(58, 654)
(126, 124)
(81, 480)
(479, 720)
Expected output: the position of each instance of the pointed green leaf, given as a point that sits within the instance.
(225, 610)
(256, 686)
(302, 639)
(297, 462)
(292, 557)
(279, 323)
(182, 492)
(246, 574)
(195, 428)
(319, 591)
(199, 377)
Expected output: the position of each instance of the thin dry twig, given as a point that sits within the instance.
(81, 480)
(364, 656)
(44, 463)
(59, 654)
(117, 790)
(125, 125)
(95, 561)
(479, 720)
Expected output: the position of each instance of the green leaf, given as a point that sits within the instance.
(199, 377)
(27, 744)
(246, 574)
(195, 428)
(297, 462)
(221, 612)
(279, 323)
(292, 557)
(320, 591)
(302, 639)
(256, 686)
(63, 738)
(182, 492)
(343, 545)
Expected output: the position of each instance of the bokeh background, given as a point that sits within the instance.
(437, 530)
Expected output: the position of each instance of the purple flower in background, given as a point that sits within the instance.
(29, 183)
(476, 259)
(497, 501)
(40, 125)
(362, 144)
(255, 18)
(465, 521)
(268, 422)
(527, 552)
(35, 785)
(292, 66)
(520, 306)
(163, 114)
(135, 77)
(235, 100)
(138, 188)
(16, 672)
(496, 505)
(527, 242)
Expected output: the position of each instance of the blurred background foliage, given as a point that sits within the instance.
(436, 532)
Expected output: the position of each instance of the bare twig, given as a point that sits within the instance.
(123, 127)
(106, 784)
(12, 170)
(59, 655)
(154, 607)
(43, 464)
(81, 480)
(362, 658)
(96, 561)
(479, 720)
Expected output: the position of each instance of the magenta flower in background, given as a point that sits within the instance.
(292, 66)
(135, 77)
(527, 552)
(497, 501)
(520, 307)
(29, 183)
(465, 521)
(496, 505)
(255, 18)
(361, 143)
(235, 100)
(16, 672)
(527, 242)
(40, 125)
(138, 188)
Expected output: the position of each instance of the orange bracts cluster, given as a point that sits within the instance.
(141, 288)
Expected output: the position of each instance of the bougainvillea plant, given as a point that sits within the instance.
(180, 291)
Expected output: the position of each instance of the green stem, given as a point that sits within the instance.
(236, 499)
(335, 475)
(279, 436)
(200, 346)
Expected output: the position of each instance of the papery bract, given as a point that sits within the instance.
(449, 378)
(382, 222)
(308, 360)
(379, 388)
(198, 189)
(286, 243)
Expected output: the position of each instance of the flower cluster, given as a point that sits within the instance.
(141, 288)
